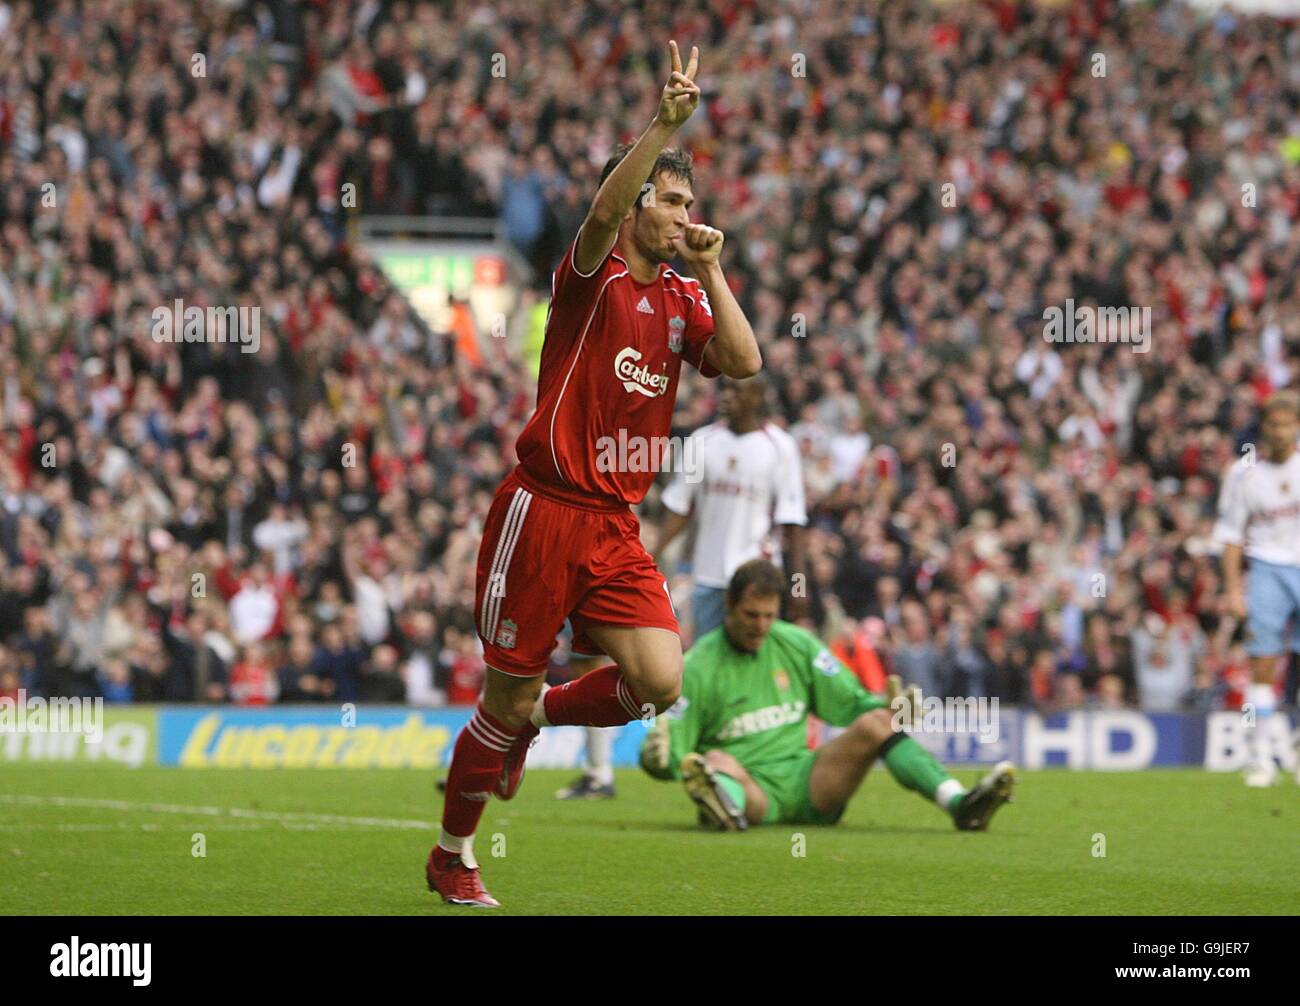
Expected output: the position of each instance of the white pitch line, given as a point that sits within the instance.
(287, 817)
(124, 826)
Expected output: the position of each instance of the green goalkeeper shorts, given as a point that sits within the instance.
(789, 797)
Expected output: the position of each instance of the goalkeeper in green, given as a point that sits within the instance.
(737, 736)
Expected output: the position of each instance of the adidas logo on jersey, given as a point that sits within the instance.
(644, 307)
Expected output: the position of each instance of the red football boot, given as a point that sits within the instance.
(456, 882)
(512, 773)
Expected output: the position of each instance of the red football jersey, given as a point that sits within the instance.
(609, 370)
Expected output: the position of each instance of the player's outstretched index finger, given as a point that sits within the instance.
(694, 64)
(677, 56)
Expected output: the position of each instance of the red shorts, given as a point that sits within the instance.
(542, 561)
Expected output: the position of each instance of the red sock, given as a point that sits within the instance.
(476, 764)
(602, 698)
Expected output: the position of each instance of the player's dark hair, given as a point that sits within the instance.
(672, 161)
(758, 575)
(758, 382)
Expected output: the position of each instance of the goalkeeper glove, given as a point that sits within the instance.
(656, 750)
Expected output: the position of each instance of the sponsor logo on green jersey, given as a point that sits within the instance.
(768, 718)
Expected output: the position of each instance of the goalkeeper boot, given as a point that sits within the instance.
(717, 808)
(979, 805)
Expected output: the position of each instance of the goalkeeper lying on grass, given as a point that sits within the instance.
(737, 737)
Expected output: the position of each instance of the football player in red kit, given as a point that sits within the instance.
(560, 540)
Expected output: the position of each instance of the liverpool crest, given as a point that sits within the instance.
(676, 328)
(506, 635)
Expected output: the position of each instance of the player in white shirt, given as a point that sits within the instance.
(1259, 515)
(745, 477)
(741, 476)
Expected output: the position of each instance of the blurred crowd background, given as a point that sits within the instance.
(990, 514)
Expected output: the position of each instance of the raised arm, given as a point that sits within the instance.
(622, 188)
(734, 350)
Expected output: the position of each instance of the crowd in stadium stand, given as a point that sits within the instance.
(904, 187)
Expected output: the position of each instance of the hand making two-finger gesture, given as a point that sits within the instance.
(680, 97)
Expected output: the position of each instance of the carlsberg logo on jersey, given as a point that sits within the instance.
(637, 378)
(767, 718)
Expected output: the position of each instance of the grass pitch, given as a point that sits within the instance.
(108, 841)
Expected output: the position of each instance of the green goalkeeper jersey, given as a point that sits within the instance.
(755, 706)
